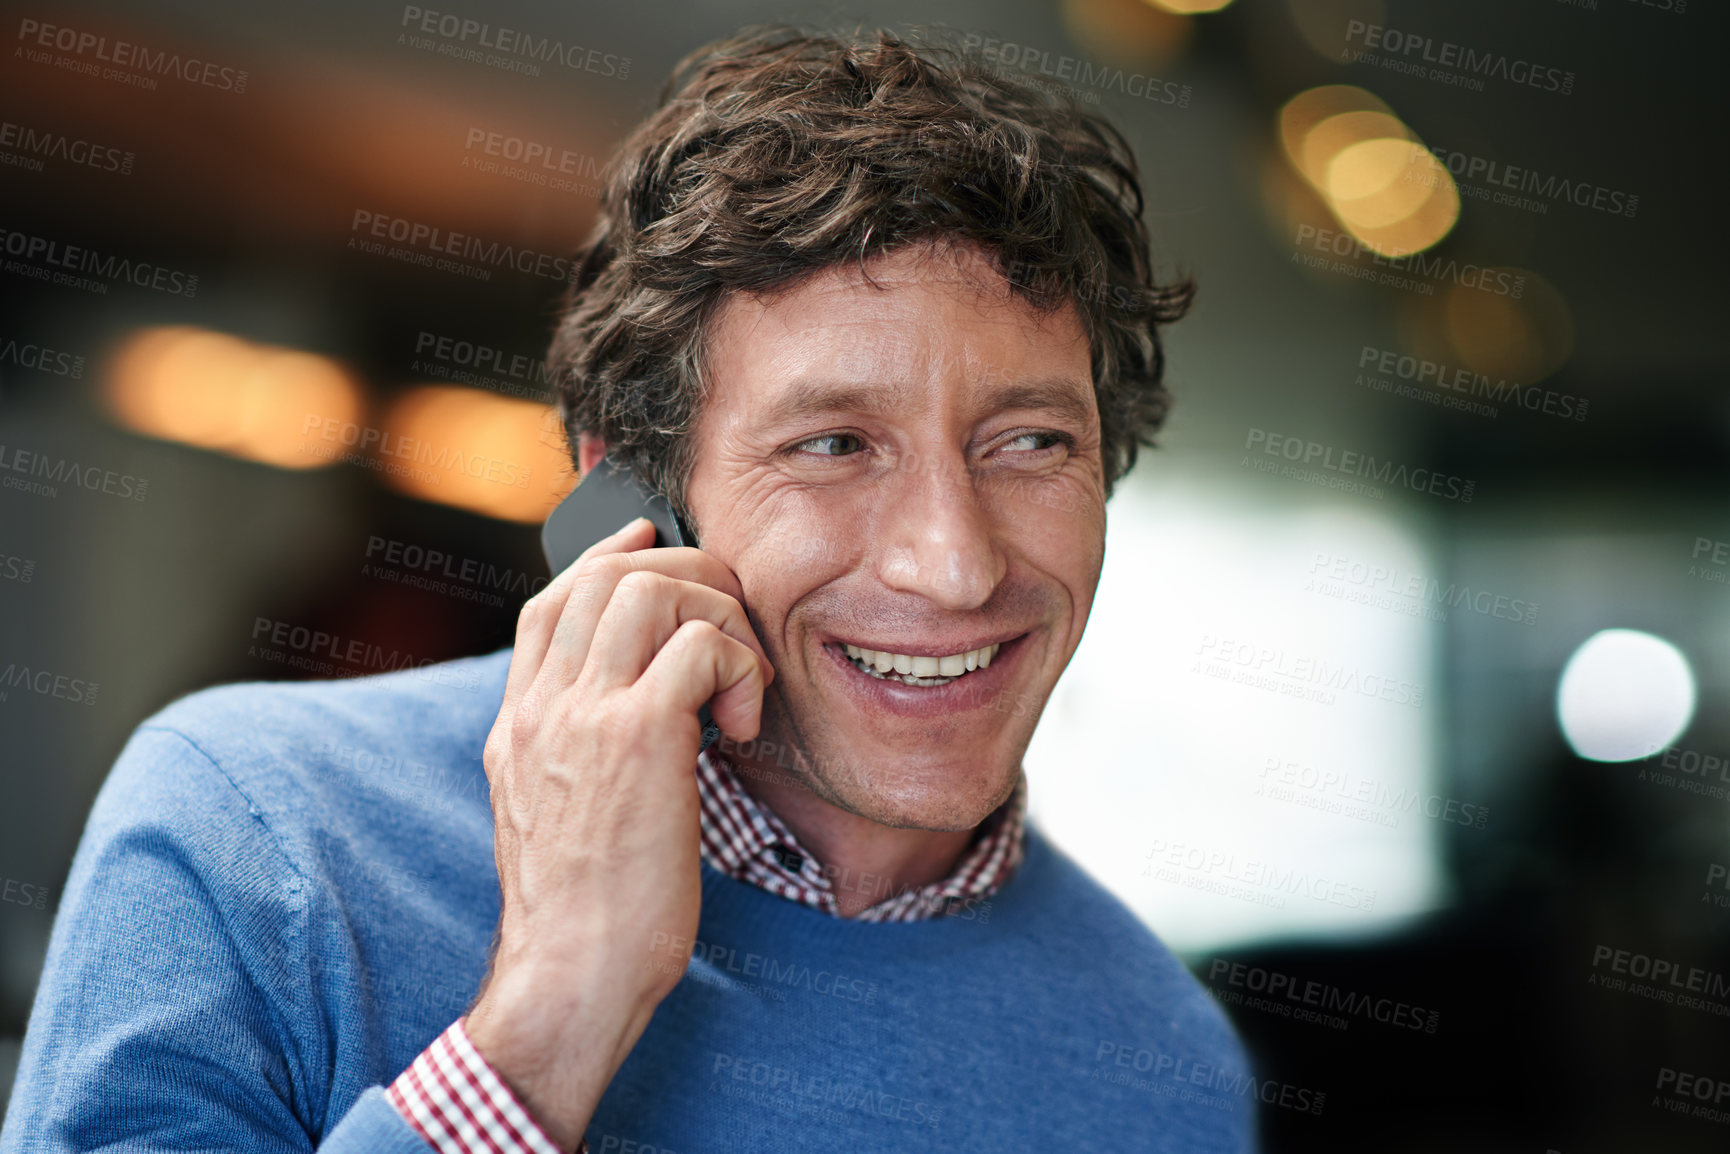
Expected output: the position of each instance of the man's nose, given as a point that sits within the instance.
(937, 538)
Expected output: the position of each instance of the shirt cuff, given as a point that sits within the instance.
(456, 1101)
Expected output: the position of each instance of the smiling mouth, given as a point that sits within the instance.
(920, 671)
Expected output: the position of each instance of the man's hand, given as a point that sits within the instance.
(591, 765)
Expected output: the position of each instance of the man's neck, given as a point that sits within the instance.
(866, 862)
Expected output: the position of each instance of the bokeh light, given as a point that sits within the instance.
(1190, 7)
(1512, 339)
(1624, 694)
(220, 392)
(1524, 338)
(1129, 34)
(493, 455)
(1369, 168)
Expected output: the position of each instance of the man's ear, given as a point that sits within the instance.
(590, 450)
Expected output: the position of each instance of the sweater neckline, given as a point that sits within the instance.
(733, 900)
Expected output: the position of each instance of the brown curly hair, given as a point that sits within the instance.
(776, 153)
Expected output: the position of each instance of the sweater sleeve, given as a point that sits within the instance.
(173, 1011)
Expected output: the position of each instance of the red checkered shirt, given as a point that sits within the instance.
(458, 1103)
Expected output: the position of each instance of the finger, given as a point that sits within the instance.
(646, 610)
(699, 663)
(588, 600)
(540, 615)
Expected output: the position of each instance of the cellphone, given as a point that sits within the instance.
(599, 507)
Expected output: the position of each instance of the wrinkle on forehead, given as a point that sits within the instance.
(841, 331)
(966, 269)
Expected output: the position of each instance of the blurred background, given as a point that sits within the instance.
(1402, 712)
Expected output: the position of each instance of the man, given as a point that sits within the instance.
(883, 328)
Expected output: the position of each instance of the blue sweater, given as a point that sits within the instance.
(285, 891)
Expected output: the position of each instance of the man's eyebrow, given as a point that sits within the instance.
(1061, 396)
(815, 398)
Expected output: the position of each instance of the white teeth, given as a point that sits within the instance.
(921, 670)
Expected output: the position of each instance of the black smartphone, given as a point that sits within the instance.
(599, 507)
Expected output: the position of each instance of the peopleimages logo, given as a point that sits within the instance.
(1297, 675)
(1175, 1076)
(1258, 882)
(19, 893)
(60, 471)
(42, 359)
(1448, 62)
(435, 242)
(300, 647)
(1517, 186)
(14, 568)
(1376, 586)
(440, 783)
(37, 144)
(41, 257)
(826, 1098)
(1386, 472)
(394, 453)
(1443, 379)
(434, 570)
(512, 50)
(474, 363)
(533, 162)
(42, 40)
(1432, 267)
(46, 683)
(1659, 979)
(761, 967)
(1304, 784)
(1689, 1094)
(1310, 1000)
(1351, 462)
(1036, 63)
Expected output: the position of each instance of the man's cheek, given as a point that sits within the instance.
(1078, 556)
(1066, 524)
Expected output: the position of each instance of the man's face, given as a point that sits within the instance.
(911, 467)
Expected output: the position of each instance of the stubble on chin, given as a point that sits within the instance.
(890, 795)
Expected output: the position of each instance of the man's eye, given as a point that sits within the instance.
(1033, 442)
(833, 445)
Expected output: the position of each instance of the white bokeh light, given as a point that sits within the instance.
(1623, 694)
(1137, 749)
